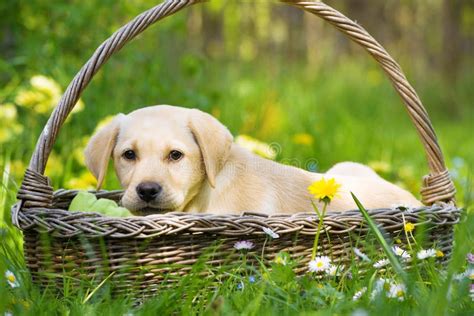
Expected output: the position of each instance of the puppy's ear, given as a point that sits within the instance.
(214, 140)
(99, 149)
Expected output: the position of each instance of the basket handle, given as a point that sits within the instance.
(36, 190)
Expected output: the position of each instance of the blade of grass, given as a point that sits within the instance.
(380, 238)
(442, 296)
(97, 288)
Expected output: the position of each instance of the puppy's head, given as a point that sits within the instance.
(162, 155)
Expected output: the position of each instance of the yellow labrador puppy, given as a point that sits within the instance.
(176, 159)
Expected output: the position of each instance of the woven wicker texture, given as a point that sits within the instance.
(143, 267)
(145, 254)
(138, 250)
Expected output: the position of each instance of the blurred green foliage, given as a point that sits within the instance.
(265, 70)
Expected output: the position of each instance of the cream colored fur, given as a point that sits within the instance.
(215, 175)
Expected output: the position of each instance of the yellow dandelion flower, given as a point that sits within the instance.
(439, 253)
(409, 227)
(303, 139)
(324, 190)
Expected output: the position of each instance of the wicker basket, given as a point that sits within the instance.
(142, 252)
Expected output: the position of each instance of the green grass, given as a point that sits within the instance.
(245, 289)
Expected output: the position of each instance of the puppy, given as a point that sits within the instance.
(176, 159)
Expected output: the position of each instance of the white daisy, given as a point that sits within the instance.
(11, 279)
(334, 270)
(458, 276)
(397, 291)
(379, 286)
(361, 255)
(469, 273)
(244, 245)
(426, 253)
(358, 294)
(401, 253)
(381, 263)
(319, 264)
(270, 232)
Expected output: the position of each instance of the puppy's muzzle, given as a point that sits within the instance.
(148, 191)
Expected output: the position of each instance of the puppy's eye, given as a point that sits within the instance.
(175, 155)
(129, 155)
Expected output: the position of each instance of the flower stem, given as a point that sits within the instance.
(320, 225)
(406, 233)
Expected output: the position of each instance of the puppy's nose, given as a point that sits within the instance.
(148, 191)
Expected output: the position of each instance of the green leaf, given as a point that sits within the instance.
(87, 202)
(385, 246)
(122, 212)
(104, 206)
(83, 201)
(110, 208)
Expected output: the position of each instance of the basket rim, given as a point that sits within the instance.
(66, 224)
